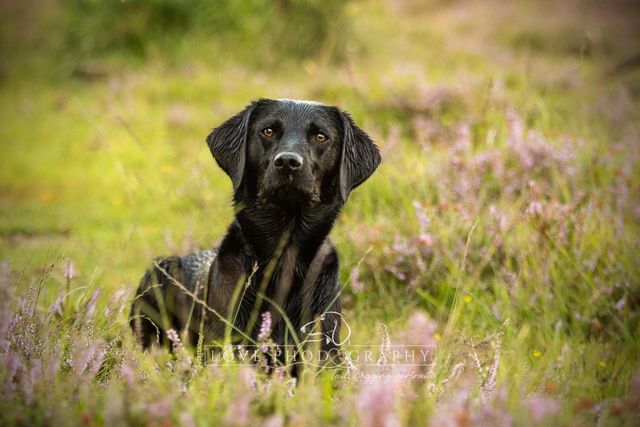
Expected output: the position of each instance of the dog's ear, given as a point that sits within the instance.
(360, 156)
(228, 143)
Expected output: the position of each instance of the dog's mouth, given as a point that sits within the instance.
(288, 191)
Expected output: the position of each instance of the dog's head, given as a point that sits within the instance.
(293, 153)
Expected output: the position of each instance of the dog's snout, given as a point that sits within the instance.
(288, 160)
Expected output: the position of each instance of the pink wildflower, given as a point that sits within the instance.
(70, 271)
(541, 407)
(265, 326)
(357, 286)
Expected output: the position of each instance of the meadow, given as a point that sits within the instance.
(502, 228)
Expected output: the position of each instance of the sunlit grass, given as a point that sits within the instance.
(502, 225)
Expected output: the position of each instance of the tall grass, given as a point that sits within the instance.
(502, 227)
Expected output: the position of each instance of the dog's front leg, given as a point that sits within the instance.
(226, 278)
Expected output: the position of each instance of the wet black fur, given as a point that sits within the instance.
(279, 236)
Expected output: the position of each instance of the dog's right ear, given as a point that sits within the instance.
(228, 143)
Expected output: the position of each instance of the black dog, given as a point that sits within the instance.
(293, 165)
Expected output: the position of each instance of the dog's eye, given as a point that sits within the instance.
(321, 137)
(268, 132)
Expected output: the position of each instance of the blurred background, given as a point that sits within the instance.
(507, 206)
(105, 107)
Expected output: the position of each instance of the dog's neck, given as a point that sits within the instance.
(268, 231)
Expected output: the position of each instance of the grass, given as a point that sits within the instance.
(503, 225)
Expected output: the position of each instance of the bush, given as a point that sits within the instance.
(285, 27)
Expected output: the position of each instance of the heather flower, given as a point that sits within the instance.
(265, 326)
(351, 371)
(80, 361)
(116, 302)
(411, 254)
(462, 143)
(424, 129)
(425, 242)
(248, 378)
(69, 271)
(173, 336)
(392, 141)
(454, 410)
(26, 303)
(423, 219)
(96, 361)
(502, 221)
(457, 370)
(489, 384)
(417, 340)
(357, 285)
(279, 374)
(22, 334)
(530, 147)
(292, 386)
(238, 411)
(159, 409)
(57, 307)
(396, 272)
(492, 414)
(86, 357)
(276, 420)
(187, 420)
(476, 360)
(421, 329)
(127, 373)
(91, 304)
(403, 248)
(377, 406)
(541, 407)
(12, 364)
(534, 209)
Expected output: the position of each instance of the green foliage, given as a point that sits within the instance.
(271, 29)
(503, 224)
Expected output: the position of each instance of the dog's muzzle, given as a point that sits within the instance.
(288, 162)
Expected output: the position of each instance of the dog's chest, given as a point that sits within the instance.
(282, 283)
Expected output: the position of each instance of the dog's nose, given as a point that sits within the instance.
(288, 160)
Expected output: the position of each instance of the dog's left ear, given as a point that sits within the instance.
(227, 143)
(360, 156)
